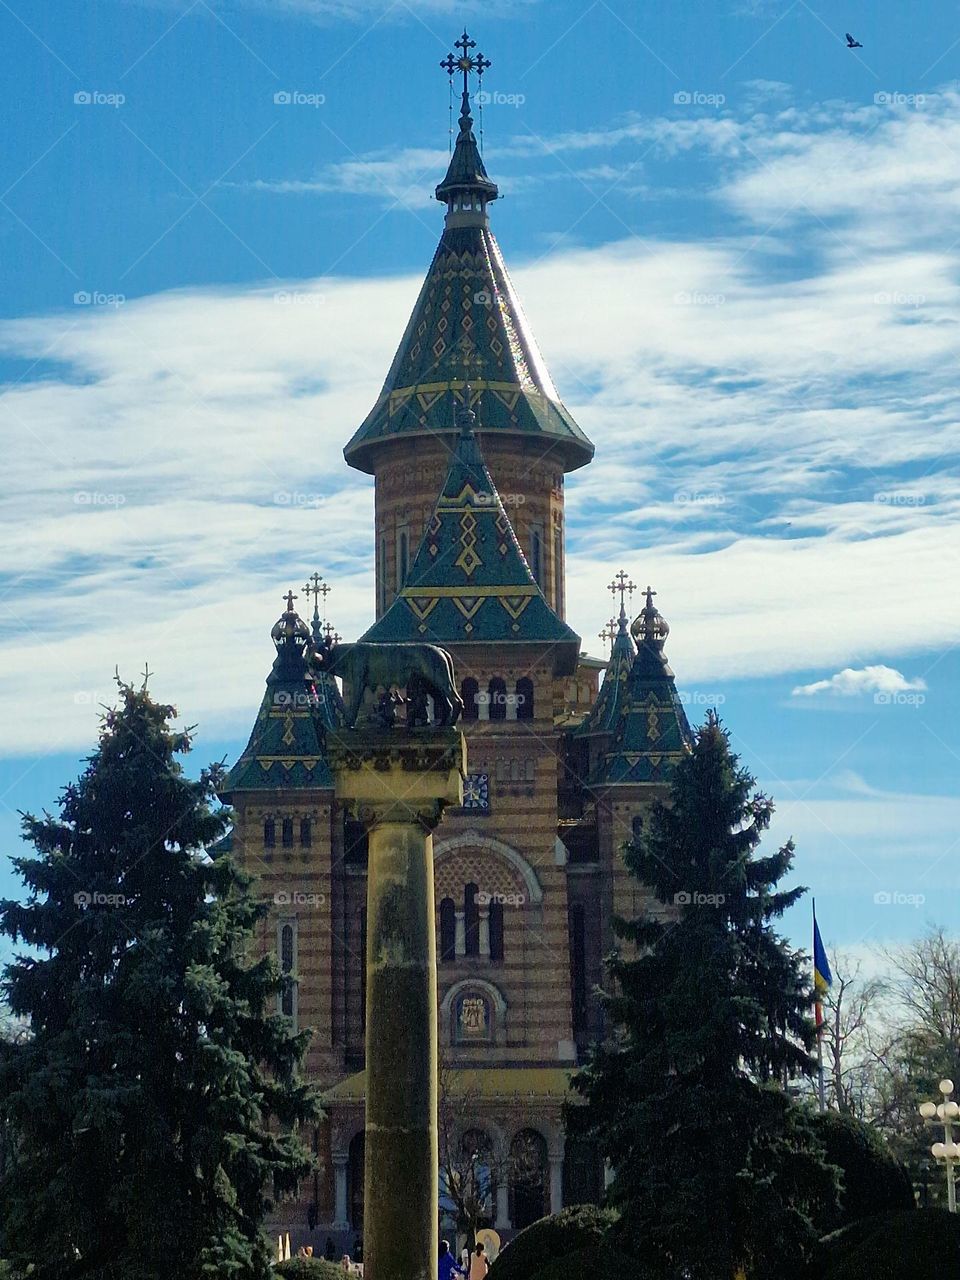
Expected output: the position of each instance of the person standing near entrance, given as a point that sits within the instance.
(479, 1266)
(447, 1268)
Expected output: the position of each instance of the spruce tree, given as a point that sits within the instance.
(157, 1099)
(715, 1168)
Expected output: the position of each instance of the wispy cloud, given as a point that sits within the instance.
(401, 177)
(351, 10)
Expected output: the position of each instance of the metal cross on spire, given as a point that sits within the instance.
(316, 587)
(621, 583)
(649, 593)
(289, 598)
(464, 61)
(609, 632)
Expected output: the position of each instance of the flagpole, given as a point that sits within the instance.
(823, 1095)
(822, 1092)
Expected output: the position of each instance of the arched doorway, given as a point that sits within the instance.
(355, 1168)
(528, 1178)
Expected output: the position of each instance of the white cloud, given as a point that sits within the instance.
(854, 682)
(776, 433)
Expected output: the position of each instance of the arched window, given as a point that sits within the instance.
(471, 920)
(306, 833)
(448, 930)
(578, 968)
(637, 827)
(403, 557)
(498, 698)
(496, 932)
(287, 946)
(536, 555)
(524, 698)
(287, 836)
(558, 570)
(468, 692)
(269, 833)
(383, 575)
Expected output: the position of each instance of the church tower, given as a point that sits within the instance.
(468, 339)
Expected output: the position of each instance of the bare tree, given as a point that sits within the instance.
(471, 1168)
(921, 1045)
(853, 1011)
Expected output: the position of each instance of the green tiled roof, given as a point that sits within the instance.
(286, 748)
(466, 170)
(470, 582)
(468, 325)
(648, 725)
(606, 710)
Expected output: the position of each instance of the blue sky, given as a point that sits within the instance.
(737, 242)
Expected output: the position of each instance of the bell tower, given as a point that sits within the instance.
(468, 337)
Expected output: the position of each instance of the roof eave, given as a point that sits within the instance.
(365, 454)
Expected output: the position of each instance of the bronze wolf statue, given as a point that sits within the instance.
(422, 670)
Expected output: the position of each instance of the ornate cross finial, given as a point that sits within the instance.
(464, 61)
(621, 583)
(649, 593)
(290, 597)
(331, 636)
(313, 586)
(316, 587)
(609, 632)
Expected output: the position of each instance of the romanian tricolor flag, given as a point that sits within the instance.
(822, 977)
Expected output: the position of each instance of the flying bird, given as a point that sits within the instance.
(851, 43)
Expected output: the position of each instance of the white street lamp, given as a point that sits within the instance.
(947, 1152)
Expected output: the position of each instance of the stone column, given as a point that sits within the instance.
(341, 1212)
(485, 932)
(399, 781)
(556, 1182)
(460, 934)
(502, 1222)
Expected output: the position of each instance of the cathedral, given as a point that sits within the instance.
(468, 443)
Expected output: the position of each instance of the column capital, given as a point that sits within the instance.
(399, 775)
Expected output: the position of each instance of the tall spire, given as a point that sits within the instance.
(468, 326)
(466, 190)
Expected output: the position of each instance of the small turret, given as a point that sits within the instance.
(470, 582)
(638, 706)
(286, 747)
